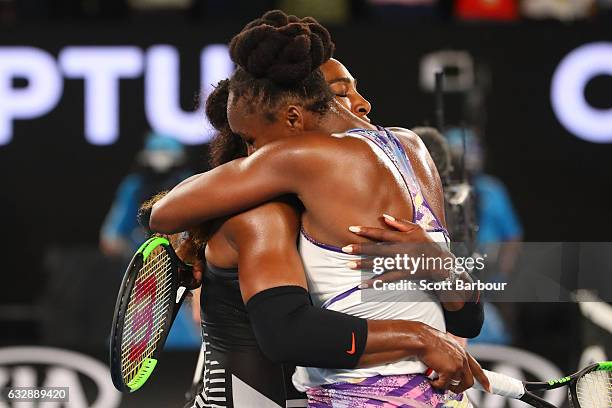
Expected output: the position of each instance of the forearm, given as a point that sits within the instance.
(225, 190)
(392, 340)
(289, 329)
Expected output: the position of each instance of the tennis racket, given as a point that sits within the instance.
(590, 387)
(149, 298)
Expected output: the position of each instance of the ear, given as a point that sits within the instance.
(294, 118)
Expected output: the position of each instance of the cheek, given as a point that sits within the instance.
(346, 102)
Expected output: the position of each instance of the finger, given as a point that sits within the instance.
(386, 277)
(399, 224)
(478, 373)
(361, 264)
(442, 382)
(377, 234)
(467, 380)
(390, 249)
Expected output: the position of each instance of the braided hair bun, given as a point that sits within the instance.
(282, 48)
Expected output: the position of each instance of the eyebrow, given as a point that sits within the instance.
(342, 79)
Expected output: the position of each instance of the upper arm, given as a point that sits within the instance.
(266, 239)
(278, 168)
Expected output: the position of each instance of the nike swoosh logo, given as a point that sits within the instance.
(352, 350)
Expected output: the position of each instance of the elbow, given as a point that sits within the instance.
(273, 347)
(160, 220)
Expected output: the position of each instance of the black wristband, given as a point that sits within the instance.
(467, 321)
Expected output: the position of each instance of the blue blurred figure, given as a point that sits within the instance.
(499, 230)
(160, 165)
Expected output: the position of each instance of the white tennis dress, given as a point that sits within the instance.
(335, 286)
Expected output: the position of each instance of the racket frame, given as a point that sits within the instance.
(123, 298)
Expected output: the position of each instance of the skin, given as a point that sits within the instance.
(293, 155)
(344, 87)
(315, 153)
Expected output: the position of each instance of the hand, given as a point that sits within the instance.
(478, 374)
(451, 363)
(195, 307)
(405, 239)
(189, 253)
(449, 360)
(402, 231)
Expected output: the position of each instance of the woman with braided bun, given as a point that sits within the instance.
(301, 144)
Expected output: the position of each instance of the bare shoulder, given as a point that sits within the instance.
(298, 148)
(409, 139)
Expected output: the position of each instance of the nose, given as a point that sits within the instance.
(361, 106)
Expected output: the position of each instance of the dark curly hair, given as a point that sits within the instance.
(278, 58)
(226, 145)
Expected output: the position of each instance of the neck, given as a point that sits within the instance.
(339, 119)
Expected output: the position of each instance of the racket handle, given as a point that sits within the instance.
(502, 385)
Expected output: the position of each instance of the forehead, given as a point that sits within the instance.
(236, 113)
(242, 116)
(333, 69)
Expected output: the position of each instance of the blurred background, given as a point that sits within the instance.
(99, 109)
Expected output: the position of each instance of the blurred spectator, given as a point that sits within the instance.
(486, 9)
(497, 219)
(499, 230)
(325, 11)
(160, 166)
(564, 10)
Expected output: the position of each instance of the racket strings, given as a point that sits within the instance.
(594, 389)
(154, 281)
(136, 306)
(135, 312)
(142, 304)
(135, 343)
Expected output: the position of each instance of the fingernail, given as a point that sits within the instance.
(348, 249)
(353, 228)
(388, 217)
(363, 285)
(352, 264)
